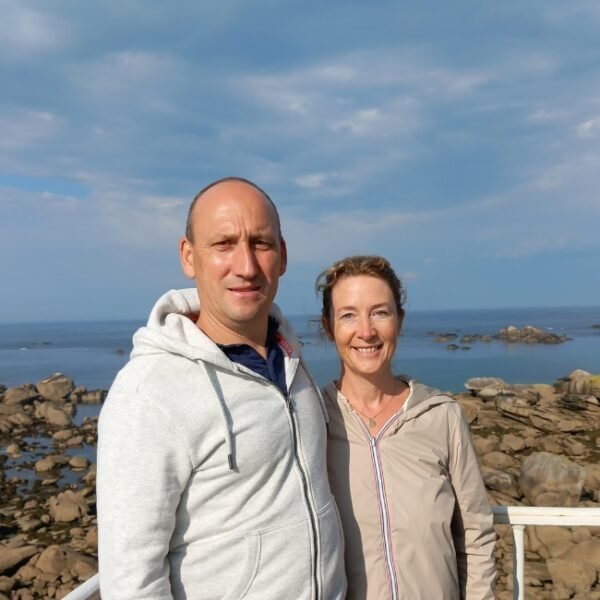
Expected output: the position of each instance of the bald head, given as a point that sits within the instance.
(232, 182)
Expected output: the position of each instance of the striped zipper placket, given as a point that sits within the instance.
(383, 507)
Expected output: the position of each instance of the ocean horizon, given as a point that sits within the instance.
(92, 352)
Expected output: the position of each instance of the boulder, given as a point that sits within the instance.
(11, 557)
(93, 397)
(23, 394)
(67, 506)
(575, 577)
(53, 414)
(500, 481)
(529, 335)
(584, 386)
(52, 560)
(512, 443)
(550, 480)
(587, 551)
(45, 464)
(499, 460)
(78, 462)
(478, 383)
(592, 477)
(56, 387)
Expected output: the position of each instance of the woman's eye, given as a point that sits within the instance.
(346, 316)
(381, 314)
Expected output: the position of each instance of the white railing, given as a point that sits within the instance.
(515, 516)
(520, 516)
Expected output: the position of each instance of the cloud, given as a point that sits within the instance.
(588, 129)
(25, 32)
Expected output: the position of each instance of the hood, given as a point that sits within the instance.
(171, 329)
(421, 399)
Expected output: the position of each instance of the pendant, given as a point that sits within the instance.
(371, 423)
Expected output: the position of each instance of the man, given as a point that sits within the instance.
(211, 455)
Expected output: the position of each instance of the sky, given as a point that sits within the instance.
(460, 139)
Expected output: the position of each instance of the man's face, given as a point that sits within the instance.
(236, 258)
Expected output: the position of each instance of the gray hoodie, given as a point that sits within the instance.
(211, 483)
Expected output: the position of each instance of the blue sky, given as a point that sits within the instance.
(459, 139)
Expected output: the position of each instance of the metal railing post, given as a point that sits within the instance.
(518, 562)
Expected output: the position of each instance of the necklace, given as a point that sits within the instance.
(371, 422)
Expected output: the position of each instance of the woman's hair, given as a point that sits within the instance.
(351, 266)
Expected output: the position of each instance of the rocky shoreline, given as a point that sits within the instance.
(539, 445)
(509, 335)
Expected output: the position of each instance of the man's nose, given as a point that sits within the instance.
(244, 261)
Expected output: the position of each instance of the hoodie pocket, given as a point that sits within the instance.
(283, 565)
(248, 572)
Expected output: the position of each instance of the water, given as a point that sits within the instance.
(92, 353)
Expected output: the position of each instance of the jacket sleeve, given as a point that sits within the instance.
(143, 468)
(472, 525)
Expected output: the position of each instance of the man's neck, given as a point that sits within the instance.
(253, 334)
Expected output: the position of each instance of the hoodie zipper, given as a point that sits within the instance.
(311, 513)
(384, 516)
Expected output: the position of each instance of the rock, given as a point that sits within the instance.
(584, 386)
(62, 435)
(11, 557)
(56, 387)
(23, 394)
(91, 538)
(478, 383)
(500, 481)
(587, 551)
(6, 583)
(549, 541)
(592, 477)
(79, 462)
(576, 577)
(484, 445)
(529, 335)
(45, 464)
(13, 450)
(93, 397)
(52, 414)
(550, 480)
(67, 506)
(445, 337)
(499, 460)
(52, 560)
(512, 443)
(452, 347)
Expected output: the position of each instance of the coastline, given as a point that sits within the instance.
(537, 443)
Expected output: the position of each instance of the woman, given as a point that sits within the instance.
(402, 467)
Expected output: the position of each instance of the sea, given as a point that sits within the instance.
(91, 353)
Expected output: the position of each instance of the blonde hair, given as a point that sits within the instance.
(352, 266)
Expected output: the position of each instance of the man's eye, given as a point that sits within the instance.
(262, 245)
(222, 244)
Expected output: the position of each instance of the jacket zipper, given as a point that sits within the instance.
(383, 508)
(312, 516)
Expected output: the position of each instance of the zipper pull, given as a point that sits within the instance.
(289, 402)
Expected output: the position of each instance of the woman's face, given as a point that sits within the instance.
(364, 324)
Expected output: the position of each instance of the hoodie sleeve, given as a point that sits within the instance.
(143, 468)
(472, 525)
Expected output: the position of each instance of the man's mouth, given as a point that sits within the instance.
(245, 289)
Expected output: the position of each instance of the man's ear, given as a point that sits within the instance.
(186, 256)
(283, 266)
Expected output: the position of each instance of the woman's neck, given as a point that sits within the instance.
(371, 391)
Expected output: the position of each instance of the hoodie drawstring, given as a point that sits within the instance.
(217, 394)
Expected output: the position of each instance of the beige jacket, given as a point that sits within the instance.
(414, 509)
